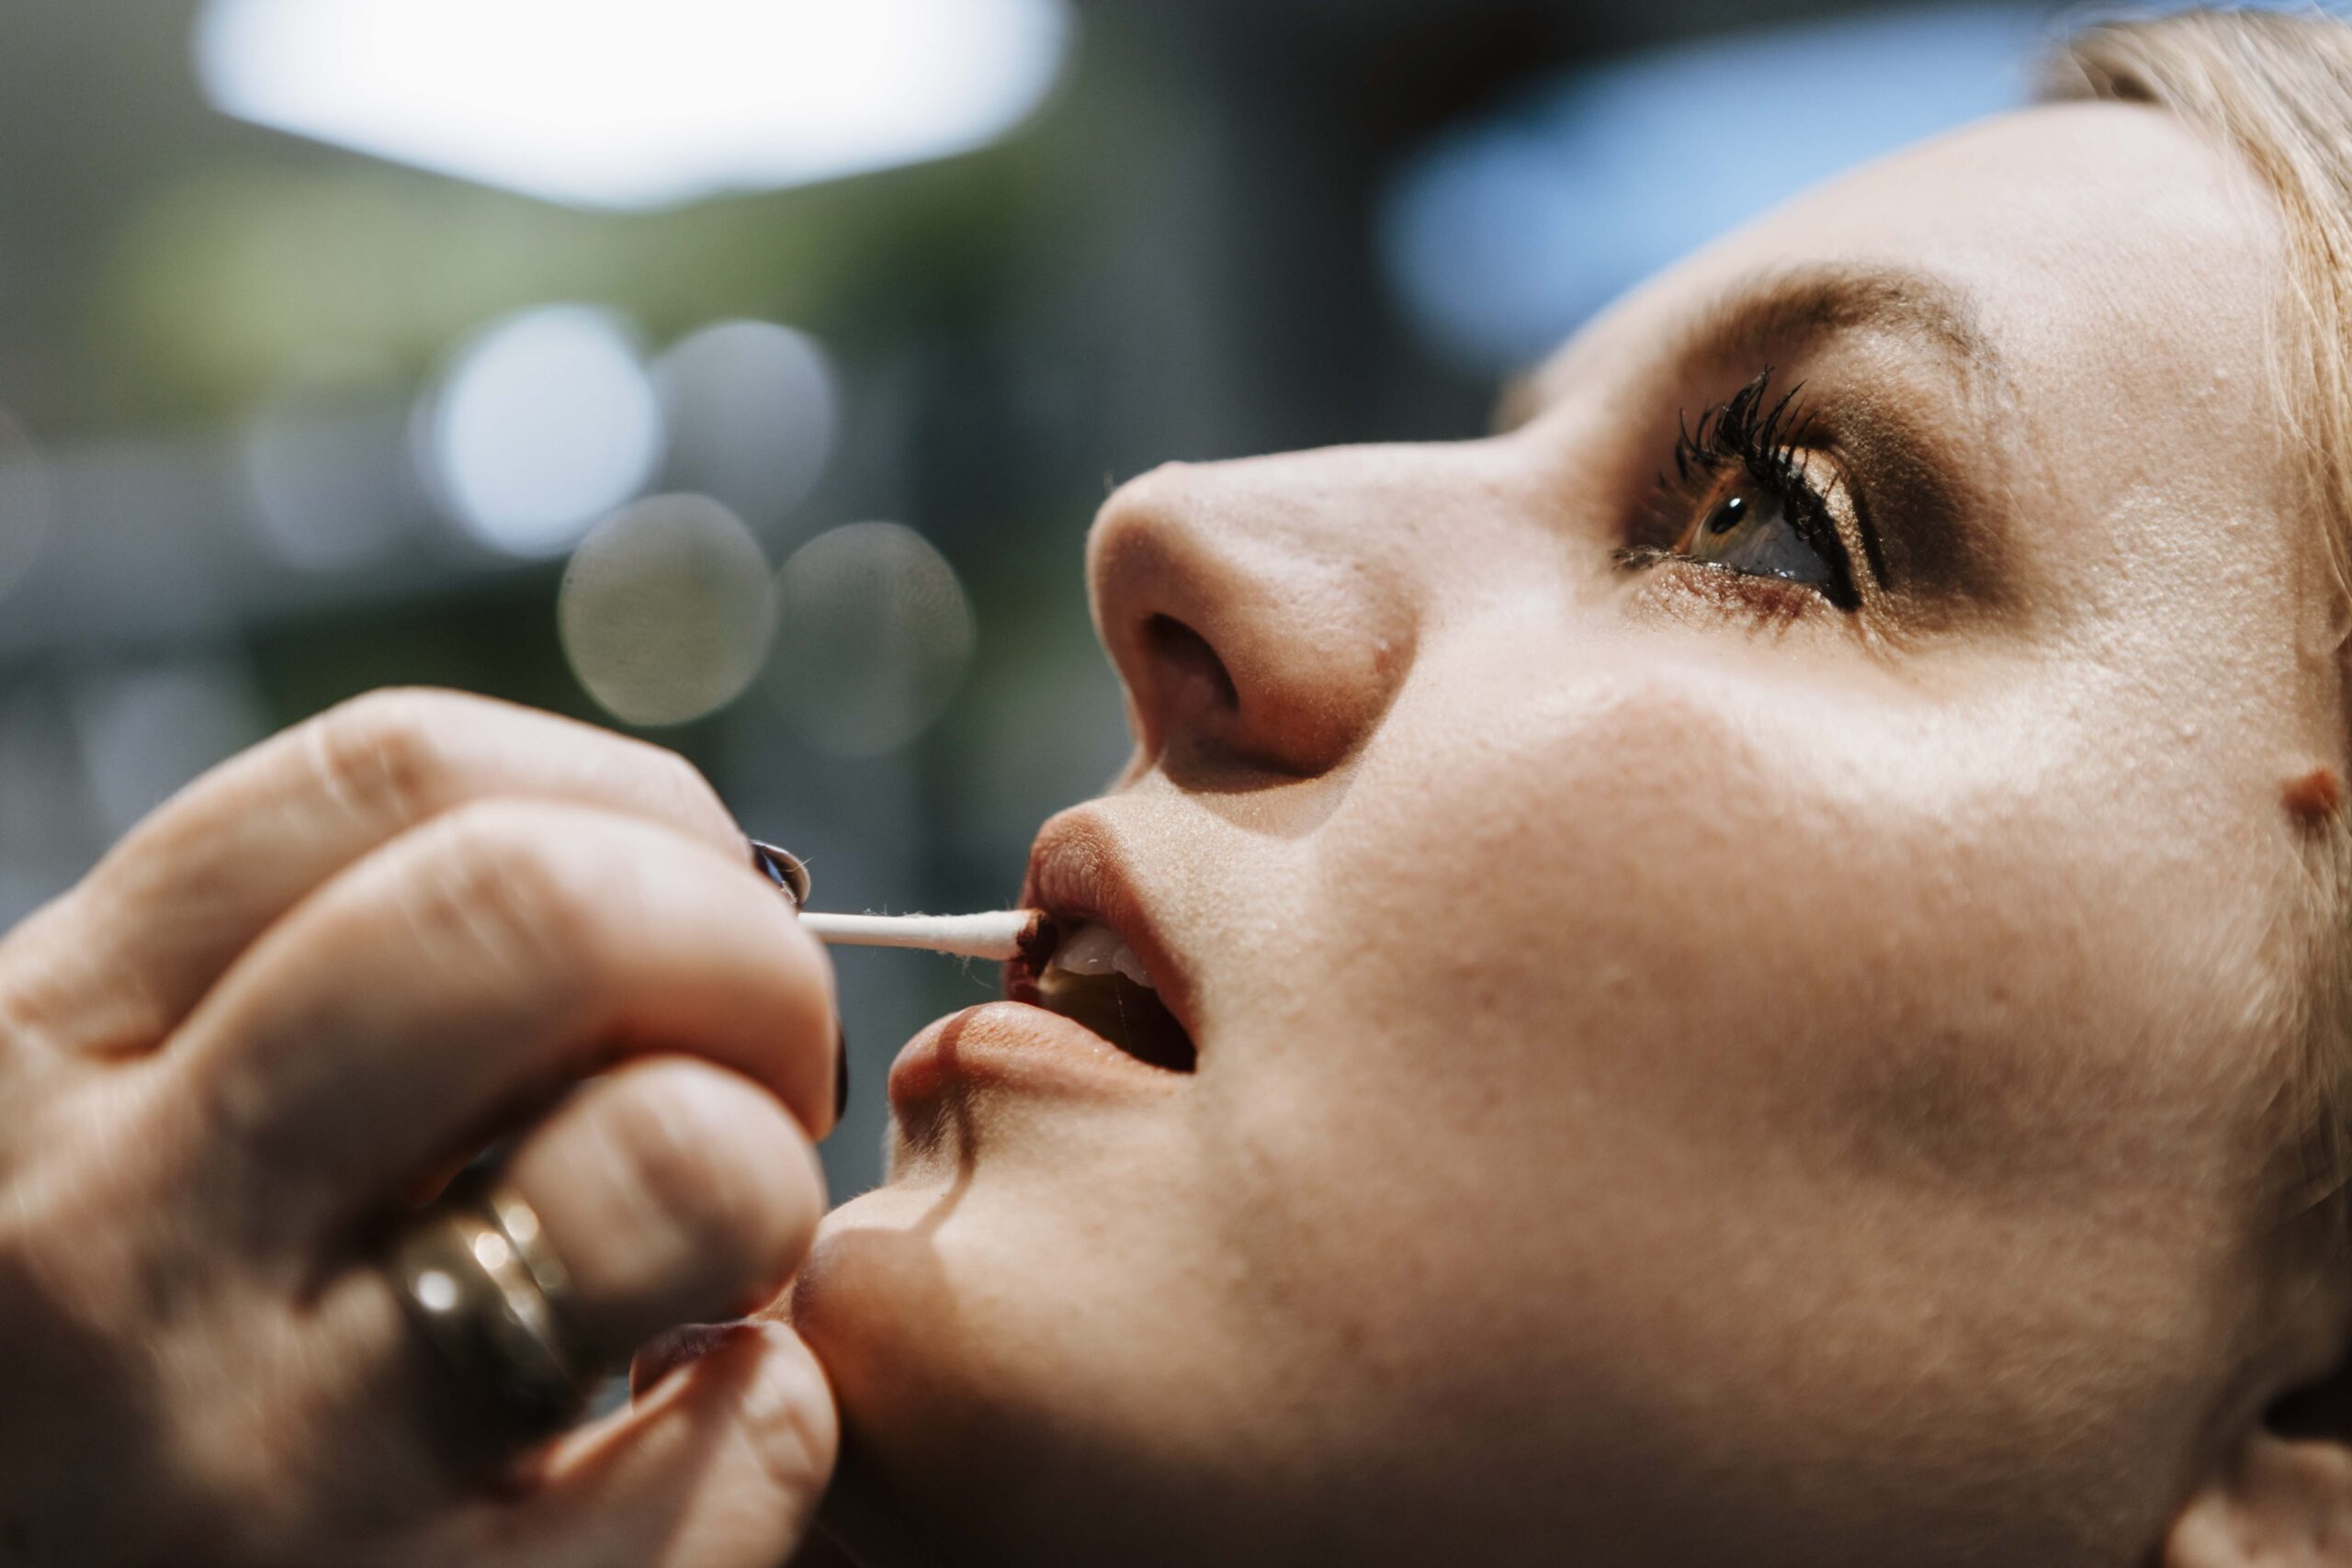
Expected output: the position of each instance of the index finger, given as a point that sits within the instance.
(452, 981)
(120, 960)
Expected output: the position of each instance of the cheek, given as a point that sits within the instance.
(1679, 1055)
(1771, 911)
(1630, 867)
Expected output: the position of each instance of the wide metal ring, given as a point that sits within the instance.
(476, 1276)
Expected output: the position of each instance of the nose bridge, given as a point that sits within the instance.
(1262, 612)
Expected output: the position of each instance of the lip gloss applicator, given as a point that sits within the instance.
(999, 935)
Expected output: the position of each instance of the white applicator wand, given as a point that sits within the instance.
(999, 935)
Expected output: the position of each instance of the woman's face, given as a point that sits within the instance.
(1759, 1058)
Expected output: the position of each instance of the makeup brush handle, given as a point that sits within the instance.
(1000, 934)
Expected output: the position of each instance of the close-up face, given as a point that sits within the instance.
(1726, 958)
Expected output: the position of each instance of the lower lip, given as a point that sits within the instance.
(1019, 1047)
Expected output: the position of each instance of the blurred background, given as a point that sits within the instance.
(744, 373)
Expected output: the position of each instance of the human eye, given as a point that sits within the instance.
(1748, 495)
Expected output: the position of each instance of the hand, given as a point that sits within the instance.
(322, 976)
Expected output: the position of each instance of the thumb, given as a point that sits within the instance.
(719, 1466)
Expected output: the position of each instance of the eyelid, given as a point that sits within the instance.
(1927, 488)
(1832, 483)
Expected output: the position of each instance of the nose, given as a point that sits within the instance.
(1256, 630)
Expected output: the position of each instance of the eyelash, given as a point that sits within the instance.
(1764, 439)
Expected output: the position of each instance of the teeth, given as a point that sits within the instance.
(1094, 949)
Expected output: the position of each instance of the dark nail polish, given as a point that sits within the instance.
(840, 1074)
(783, 868)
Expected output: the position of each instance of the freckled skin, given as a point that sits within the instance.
(1691, 1086)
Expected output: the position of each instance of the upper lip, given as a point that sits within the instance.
(1080, 872)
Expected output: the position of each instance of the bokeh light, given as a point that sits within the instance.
(873, 637)
(666, 609)
(603, 103)
(324, 465)
(753, 412)
(542, 424)
(147, 729)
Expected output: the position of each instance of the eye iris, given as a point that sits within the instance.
(1753, 534)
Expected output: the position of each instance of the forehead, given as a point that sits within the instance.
(2099, 227)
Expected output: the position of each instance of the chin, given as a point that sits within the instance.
(944, 1454)
(1018, 1380)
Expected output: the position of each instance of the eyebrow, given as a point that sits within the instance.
(1794, 305)
(1789, 307)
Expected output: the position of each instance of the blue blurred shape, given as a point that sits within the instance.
(1503, 235)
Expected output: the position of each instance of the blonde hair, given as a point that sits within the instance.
(2277, 88)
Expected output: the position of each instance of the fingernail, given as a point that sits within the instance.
(676, 1348)
(782, 867)
(840, 1074)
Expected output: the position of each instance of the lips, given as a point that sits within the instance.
(1109, 972)
(1105, 1015)
(1095, 979)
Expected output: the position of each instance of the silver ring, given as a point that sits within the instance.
(478, 1278)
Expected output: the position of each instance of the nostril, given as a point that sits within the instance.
(1189, 667)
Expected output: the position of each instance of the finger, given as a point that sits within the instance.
(722, 1467)
(673, 1191)
(119, 962)
(467, 971)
